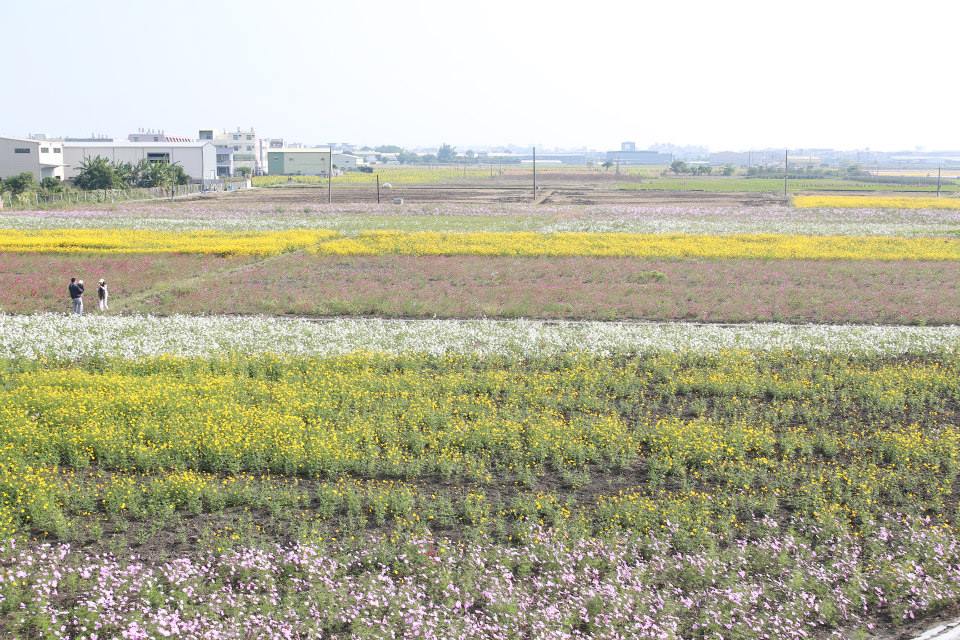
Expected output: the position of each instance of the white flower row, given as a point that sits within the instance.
(65, 336)
(232, 215)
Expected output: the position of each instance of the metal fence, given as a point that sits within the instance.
(75, 197)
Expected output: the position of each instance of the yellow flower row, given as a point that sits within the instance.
(875, 202)
(784, 432)
(764, 246)
(429, 243)
(146, 241)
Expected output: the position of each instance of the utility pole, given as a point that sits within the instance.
(378, 188)
(786, 170)
(534, 174)
(939, 170)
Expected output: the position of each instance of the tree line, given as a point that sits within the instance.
(100, 173)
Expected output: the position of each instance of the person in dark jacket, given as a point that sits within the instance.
(76, 295)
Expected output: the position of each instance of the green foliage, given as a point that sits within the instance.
(100, 173)
(707, 443)
(51, 185)
(446, 153)
(678, 167)
(18, 184)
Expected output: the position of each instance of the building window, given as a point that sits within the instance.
(22, 150)
(236, 148)
(56, 149)
(236, 136)
(44, 149)
(163, 158)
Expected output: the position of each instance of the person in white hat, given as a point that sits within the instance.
(103, 296)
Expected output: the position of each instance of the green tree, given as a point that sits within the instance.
(178, 174)
(388, 148)
(678, 167)
(18, 184)
(729, 170)
(242, 171)
(408, 157)
(163, 174)
(98, 173)
(446, 153)
(51, 185)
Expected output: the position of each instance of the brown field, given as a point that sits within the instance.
(556, 188)
(472, 286)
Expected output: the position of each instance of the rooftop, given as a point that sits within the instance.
(24, 140)
(302, 150)
(140, 145)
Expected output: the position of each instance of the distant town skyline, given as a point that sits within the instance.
(728, 76)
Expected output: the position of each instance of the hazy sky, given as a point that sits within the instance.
(723, 73)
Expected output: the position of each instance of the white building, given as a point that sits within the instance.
(198, 159)
(240, 144)
(265, 145)
(42, 158)
(346, 161)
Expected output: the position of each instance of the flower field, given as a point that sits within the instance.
(202, 474)
(911, 292)
(126, 241)
(879, 202)
(768, 246)
(388, 242)
(58, 337)
(392, 175)
(301, 212)
(476, 495)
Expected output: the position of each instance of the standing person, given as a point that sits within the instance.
(76, 295)
(103, 295)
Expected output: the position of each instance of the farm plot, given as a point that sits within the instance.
(257, 212)
(733, 290)
(887, 202)
(204, 475)
(687, 495)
